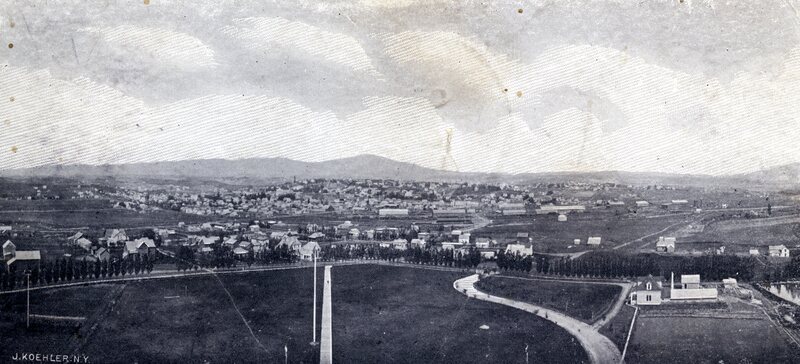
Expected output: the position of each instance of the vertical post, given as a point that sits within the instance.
(28, 305)
(526, 353)
(314, 315)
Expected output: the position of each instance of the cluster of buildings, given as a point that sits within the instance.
(652, 290)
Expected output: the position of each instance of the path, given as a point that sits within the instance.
(600, 349)
(326, 338)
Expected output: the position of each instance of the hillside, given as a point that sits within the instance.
(374, 167)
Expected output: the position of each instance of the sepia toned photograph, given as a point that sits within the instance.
(400, 181)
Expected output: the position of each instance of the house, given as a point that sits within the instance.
(316, 236)
(665, 244)
(483, 243)
(20, 259)
(576, 241)
(354, 233)
(400, 244)
(642, 204)
(488, 254)
(240, 252)
(690, 281)
(520, 249)
(523, 238)
(114, 237)
(418, 243)
(290, 242)
(308, 251)
(730, 283)
(5, 228)
(690, 289)
(84, 244)
(593, 240)
(778, 251)
(102, 254)
(141, 247)
(754, 251)
(464, 238)
(451, 245)
(647, 291)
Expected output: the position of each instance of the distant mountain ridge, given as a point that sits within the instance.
(375, 167)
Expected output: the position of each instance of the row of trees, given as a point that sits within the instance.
(69, 270)
(516, 262)
(621, 265)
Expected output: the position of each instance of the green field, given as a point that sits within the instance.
(584, 301)
(707, 340)
(380, 314)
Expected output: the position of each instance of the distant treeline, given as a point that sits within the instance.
(624, 265)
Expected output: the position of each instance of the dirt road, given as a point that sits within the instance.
(601, 350)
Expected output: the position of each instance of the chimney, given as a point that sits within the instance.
(671, 283)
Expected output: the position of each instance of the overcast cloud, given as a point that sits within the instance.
(528, 86)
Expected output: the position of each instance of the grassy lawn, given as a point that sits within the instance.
(707, 340)
(584, 301)
(380, 314)
(617, 328)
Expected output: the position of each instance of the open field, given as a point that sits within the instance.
(584, 301)
(552, 236)
(380, 314)
(753, 232)
(98, 218)
(678, 339)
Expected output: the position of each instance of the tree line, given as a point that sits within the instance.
(623, 265)
(69, 270)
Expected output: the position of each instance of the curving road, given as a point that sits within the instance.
(600, 349)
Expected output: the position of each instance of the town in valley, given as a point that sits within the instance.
(539, 268)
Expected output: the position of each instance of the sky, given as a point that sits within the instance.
(675, 86)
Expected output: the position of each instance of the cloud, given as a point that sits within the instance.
(148, 47)
(264, 34)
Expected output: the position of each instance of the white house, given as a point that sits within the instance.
(593, 240)
(520, 249)
(464, 238)
(483, 243)
(778, 251)
(307, 251)
(754, 251)
(418, 243)
(647, 291)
